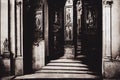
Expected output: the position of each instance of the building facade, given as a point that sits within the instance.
(32, 32)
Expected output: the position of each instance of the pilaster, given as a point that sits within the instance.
(107, 29)
(19, 37)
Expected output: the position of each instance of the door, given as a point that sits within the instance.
(92, 32)
(56, 37)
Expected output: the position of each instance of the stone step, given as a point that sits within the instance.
(67, 64)
(65, 68)
(65, 71)
(66, 60)
(57, 76)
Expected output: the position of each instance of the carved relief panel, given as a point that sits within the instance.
(38, 23)
(79, 15)
(90, 18)
(38, 27)
(68, 25)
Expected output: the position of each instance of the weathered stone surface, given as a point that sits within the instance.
(19, 66)
(112, 69)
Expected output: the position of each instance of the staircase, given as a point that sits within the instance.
(79, 45)
(64, 69)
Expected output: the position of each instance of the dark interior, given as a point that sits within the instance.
(90, 38)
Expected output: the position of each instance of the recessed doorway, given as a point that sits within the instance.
(86, 31)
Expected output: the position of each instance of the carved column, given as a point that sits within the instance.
(107, 31)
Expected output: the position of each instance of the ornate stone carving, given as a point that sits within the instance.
(38, 29)
(18, 3)
(68, 25)
(5, 44)
(79, 15)
(56, 24)
(6, 53)
(91, 18)
(108, 2)
(79, 8)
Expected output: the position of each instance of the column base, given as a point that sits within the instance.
(4, 66)
(107, 58)
(19, 66)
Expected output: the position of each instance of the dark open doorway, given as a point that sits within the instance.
(88, 37)
(56, 29)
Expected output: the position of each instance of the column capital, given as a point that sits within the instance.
(108, 2)
(18, 2)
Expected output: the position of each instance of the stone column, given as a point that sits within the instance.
(12, 34)
(46, 28)
(12, 27)
(107, 31)
(19, 39)
(18, 27)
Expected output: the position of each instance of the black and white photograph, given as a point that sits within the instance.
(59, 40)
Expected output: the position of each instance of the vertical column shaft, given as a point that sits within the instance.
(12, 26)
(18, 26)
(108, 31)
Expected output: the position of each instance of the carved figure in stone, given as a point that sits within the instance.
(90, 19)
(69, 32)
(68, 16)
(38, 22)
(68, 26)
(6, 45)
(56, 24)
(79, 13)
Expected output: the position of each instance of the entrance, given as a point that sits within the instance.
(87, 31)
(56, 29)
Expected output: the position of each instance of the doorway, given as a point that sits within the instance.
(87, 31)
(56, 29)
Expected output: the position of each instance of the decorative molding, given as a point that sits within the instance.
(108, 2)
(18, 3)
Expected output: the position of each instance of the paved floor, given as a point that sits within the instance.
(63, 68)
